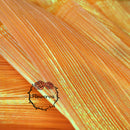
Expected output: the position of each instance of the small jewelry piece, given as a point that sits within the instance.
(40, 85)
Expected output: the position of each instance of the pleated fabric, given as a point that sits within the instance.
(84, 58)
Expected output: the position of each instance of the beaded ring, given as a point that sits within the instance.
(40, 85)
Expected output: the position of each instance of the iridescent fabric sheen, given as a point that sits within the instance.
(82, 47)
